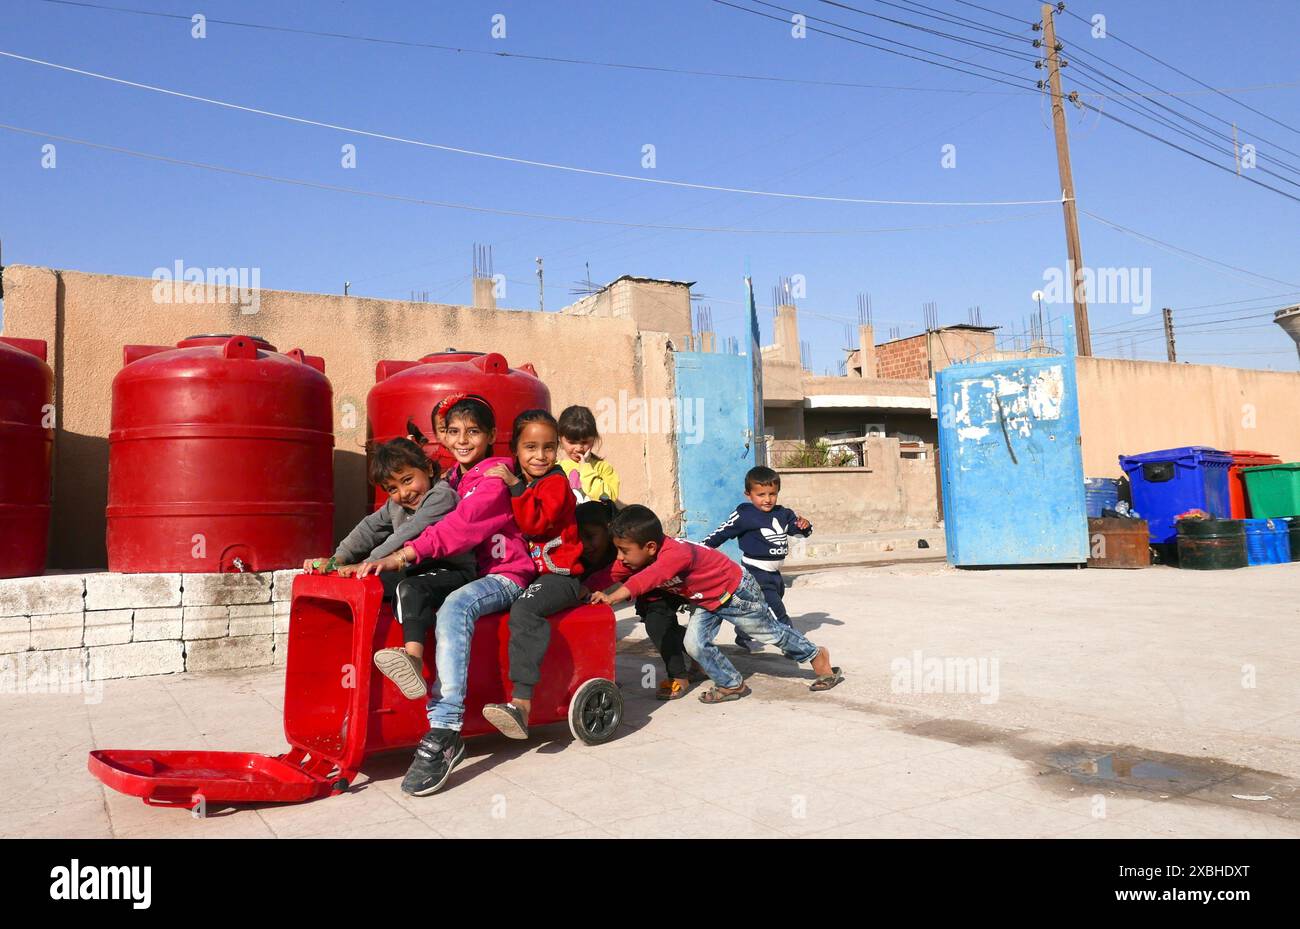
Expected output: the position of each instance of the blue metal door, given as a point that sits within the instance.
(715, 407)
(1012, 467)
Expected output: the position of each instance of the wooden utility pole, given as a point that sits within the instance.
(1169, 335)
(1067, 183)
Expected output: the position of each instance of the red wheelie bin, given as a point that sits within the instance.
(338, 708)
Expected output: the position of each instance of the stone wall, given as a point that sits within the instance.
(101, 626)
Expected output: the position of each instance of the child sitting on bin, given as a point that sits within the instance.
(483, 522)
(544, 510)
(720, 590)
(417, 499)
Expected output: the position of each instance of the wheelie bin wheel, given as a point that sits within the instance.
(596, 711)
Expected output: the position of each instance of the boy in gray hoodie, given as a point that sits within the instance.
(417, 498)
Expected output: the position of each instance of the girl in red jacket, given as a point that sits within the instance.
(544, 511)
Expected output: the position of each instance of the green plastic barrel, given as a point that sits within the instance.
(1211, 544)
(1274, 490)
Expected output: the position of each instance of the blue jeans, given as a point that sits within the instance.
(748, 611)
(453, 633)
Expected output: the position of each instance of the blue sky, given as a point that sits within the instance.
(106, 212)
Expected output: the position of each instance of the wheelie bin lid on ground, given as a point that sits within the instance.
(180, 778)
(306, 771)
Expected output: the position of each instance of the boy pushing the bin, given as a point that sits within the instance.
(720, 589)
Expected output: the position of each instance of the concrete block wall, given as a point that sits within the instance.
(101, 626)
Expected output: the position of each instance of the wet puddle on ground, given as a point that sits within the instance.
(1122, 769)
(1140, 772)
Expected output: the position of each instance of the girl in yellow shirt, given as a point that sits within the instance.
(590, 476)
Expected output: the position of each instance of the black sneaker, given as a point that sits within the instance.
(438, 752)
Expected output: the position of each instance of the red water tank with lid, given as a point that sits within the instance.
(408, 390)
(220, 457)
(26, 437)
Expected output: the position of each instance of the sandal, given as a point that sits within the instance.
(716, 694)
(826, 681)
(404, 670)
(671, 689)
(508, 719)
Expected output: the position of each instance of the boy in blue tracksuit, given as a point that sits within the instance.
(762, 529)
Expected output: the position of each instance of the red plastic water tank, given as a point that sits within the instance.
(410, 389)
(26, 437)
(220, 458)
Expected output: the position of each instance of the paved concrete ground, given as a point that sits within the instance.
(1121, 704)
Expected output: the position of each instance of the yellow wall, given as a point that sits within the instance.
(1127, 407)
(87, 318)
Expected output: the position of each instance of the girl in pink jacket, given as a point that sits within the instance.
(482, 521)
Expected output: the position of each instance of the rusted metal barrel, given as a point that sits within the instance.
(1118, 543)
(1211, 544)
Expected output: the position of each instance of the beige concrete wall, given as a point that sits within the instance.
(87, 318)
(658, 306)
(1128, 407)
(890, 493)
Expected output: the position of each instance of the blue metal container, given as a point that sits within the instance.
(1268, 541)
(1174, 480)
(1100, 493)
(1011, 464)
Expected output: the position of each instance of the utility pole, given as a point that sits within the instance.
(1082, 333)
(1169, 335)
(541, 291)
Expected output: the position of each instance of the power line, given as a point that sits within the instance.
(662, 69)
(935, 32)
(1014, 19)
(489, 210)
(1184, 251)
(1147, 54)
(1019, 56)
(836, 35)
(550, 59)
(1092, 55)
(1150, 324)
(508, 158)
(1142, 110)
(1186, 151)
(1288, 293)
